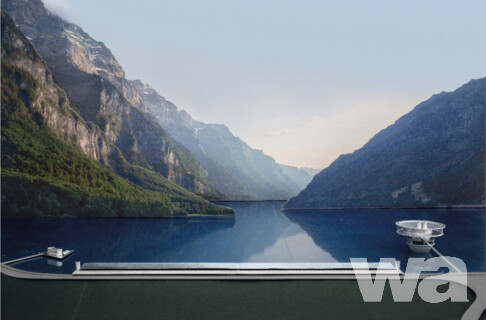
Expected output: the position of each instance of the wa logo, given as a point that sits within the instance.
(404, 290)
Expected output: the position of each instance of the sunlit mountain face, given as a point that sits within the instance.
(148, 130)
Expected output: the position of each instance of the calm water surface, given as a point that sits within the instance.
(259, 233)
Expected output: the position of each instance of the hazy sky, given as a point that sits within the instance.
(304, 81)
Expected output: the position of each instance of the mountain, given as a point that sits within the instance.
(310, 171)
(432, 156)
(204, 158)
(54, 163)
(301, 176)
(235, 168)
(96, 86)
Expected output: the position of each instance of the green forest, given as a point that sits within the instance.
(45, 176)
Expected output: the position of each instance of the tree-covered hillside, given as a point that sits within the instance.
(44, 176)
(48, 149)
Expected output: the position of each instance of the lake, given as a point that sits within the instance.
(260, 232)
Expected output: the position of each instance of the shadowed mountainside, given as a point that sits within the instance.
(432, 156)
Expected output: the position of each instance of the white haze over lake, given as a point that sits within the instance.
(304, 81)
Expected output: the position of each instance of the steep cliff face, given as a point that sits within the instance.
(51, 100)
(96, 86)
(235, 168)
(204, 158)
(48, 151)
(66, 47)
(434, 155)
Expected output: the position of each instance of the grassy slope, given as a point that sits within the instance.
(43, 175)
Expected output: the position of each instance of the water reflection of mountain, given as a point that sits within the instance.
(344, 236)
(371, 233)
(96, 240)
(259, 233)
(257, 236)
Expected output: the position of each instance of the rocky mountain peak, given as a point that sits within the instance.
(96, 86)
(59, 41)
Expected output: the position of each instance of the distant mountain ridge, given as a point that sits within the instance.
(204, 158)
(238, 170)
(432, 156)
(301, 176)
